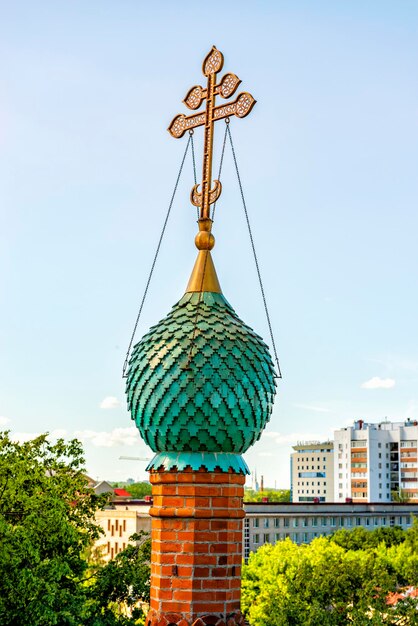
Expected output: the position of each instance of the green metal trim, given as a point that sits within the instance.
(210, 461)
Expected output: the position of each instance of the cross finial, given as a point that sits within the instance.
(240, 107)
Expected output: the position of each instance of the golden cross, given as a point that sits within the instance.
(240, 107)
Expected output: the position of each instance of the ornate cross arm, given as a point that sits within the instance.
(240, 107)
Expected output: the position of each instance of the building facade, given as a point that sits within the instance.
(312, 472)
(119, 523)
(303, 522)
(376, 462)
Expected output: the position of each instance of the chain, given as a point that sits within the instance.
(221, 162)
(125, 365)
(254, 252)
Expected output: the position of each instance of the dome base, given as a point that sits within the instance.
(209, 461)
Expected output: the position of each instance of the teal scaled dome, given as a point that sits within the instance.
(201, 380)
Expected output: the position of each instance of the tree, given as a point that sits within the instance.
(120, 588)
(139, 490)
(46, 525)
(320, 584)
(360, 538)
(272, 495)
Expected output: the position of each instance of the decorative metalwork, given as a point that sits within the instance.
(241, 107)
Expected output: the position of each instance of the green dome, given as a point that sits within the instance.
(201, 380)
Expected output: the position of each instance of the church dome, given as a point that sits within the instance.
(201, 380)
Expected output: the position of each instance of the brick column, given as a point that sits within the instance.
(196, 548)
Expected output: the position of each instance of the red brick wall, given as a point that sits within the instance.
(196, 548)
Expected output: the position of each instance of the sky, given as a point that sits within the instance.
(328, 161)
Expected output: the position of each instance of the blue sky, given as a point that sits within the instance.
(328, 160)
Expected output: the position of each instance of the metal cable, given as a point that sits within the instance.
(254, 253)
(220, 164)
(125, 365)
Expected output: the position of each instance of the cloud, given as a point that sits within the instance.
(21, 437)
(291, 439)
(265, 454)
(4, 420)
(110, 402)
(109, 439)
(312, 407)
(378, 383)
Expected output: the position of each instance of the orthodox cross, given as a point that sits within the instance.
(240, 107)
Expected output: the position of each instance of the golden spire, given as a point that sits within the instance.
(204, 277)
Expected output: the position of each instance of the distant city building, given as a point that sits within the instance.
(119, 522)
(312, 472)
(302, 522)
(372, 462)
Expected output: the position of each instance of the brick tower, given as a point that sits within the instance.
(200, 388)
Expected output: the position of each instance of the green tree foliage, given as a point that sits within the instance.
(46, 532)
(362, 539)
(120, 588)
(46, 523)
(333, 580)
(139, 490)
(272, 495)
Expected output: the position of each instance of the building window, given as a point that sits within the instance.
(324, 521)
(295, 522)
(266, 522)
(383, 521)
(277, 537)
(304, 521)
(266, 538)
(295, 537)
(256, 538)
(276, 522)
(305, 538)
(358, 521)
(256, 522)
(286, 523)
(314, 521)
(333, 521)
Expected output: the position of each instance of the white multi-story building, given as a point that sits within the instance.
(312, 472)
(372, 462)
(119, 522)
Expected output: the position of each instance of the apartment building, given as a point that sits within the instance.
(312, 472)
(374, 461)
(119, 523)
(303, 522)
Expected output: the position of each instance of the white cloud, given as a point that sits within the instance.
(22, 437)
(4, 420)
(108, 439)
(378, 383)
(110, 402)
(57, 433)
(291, 439)
(312, 407)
